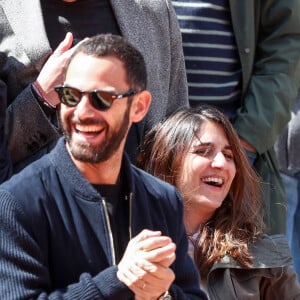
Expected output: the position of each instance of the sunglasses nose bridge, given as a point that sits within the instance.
(85, 93)
(89, 96)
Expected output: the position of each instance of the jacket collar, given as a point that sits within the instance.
(66, 168)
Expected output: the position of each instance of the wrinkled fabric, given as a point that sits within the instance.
(270, 278)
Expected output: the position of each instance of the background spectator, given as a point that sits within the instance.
(243, 57)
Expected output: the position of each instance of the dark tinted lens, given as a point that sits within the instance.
(70, 96)
(102, 100)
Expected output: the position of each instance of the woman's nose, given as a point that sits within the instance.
(219, 160)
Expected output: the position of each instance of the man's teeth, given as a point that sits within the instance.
(213, 180)
(89, 128)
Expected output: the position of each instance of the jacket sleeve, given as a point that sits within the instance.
(23, 266)
(28, 126)
(275, 75)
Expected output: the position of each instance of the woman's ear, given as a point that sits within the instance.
(140, 106)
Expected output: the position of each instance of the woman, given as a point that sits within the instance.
(198, 151)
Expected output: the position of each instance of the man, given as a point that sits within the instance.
(68, 219)
(33, 30)
(243, 57)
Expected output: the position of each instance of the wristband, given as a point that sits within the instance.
(37, 88)
(165, 296)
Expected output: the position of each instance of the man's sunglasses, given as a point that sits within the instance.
(101, 100)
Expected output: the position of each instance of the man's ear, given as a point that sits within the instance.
(140, 106)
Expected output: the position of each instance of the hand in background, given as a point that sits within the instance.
(250, 151)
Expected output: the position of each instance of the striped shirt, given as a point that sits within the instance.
(211, 55)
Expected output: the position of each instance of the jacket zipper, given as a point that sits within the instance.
(111, 239)
(130, 214)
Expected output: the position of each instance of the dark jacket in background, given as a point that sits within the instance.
(268, 39)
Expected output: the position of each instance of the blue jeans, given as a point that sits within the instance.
(292, 187)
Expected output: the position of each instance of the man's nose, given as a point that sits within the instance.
(84, 107)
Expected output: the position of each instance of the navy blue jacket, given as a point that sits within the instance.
(54, 241)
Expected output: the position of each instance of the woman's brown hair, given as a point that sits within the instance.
(238, 221)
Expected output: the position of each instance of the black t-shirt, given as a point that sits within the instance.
(84, 18)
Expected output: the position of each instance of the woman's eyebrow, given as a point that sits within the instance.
(199, 144)
(228, 147)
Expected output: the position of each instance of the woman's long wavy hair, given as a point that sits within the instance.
(238, 221)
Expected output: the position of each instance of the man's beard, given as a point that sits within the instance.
(85, 152)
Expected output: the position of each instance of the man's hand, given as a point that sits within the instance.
(145, 266)
(247, 146)
(53, 72)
